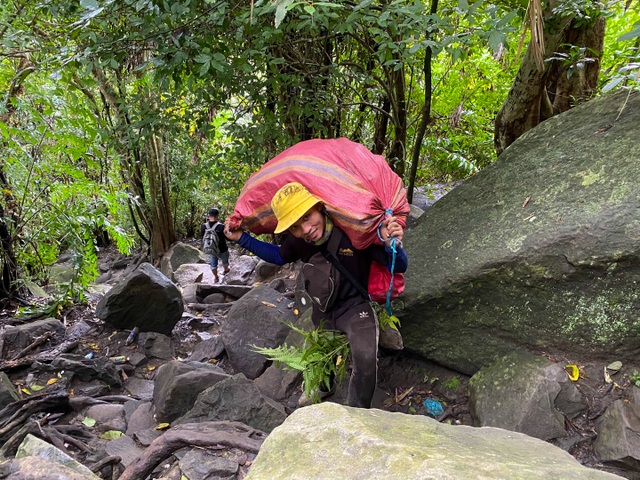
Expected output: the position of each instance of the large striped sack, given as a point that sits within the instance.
(357, 187)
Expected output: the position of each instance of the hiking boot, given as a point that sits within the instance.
(305, 401)
(226, 270)
(390, 339)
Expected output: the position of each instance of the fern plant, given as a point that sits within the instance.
(385, 320)
(322, 358)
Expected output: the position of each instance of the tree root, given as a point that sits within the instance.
(16, 439)
(36, 343)
(116, 398)
(112, 459)
(80, 402)
(47, 356)
(205, 434)
(202, 307)
(16, 414)
(58, 435)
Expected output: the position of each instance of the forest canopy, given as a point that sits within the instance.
(124, 121)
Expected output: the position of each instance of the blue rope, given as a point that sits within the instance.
(392, 244)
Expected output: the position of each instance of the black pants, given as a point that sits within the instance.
(360, 324)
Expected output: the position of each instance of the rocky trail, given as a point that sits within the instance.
(88, 388)
(186, 402)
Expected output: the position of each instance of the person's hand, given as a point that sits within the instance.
(391, 228)
(233, 235)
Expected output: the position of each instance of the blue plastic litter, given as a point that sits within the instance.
(433, 407)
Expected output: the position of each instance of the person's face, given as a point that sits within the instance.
(311, 225)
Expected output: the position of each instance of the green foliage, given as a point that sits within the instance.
(576, 59)
(322, 357)
(55, 168)
(635, 378)
(452, 383)
(621, 57)
(585, 12)
(384, 319)
(226, 87)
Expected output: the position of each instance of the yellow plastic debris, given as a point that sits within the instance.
(573, 371)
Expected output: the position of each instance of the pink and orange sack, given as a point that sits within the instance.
(357, 187)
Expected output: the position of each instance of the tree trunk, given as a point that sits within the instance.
(162, 230)
(425, 113)
(527, 103)
(381, 126)
(566, 91)
(398, 152)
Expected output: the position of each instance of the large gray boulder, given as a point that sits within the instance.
(146, 299)
(178, 384)
(524, 393)
(15, 338)
(179, 254)
(235, 399)
(37, 459)
(618, 431)
(539, 251)
(242, 270)
(256, 319)
(189, 273)
(331, 441)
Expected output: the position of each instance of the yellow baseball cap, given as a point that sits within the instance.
(290, 203)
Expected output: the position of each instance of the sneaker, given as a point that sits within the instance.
(391, 339)
(304, 401)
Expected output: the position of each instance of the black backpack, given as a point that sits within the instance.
(211, 240)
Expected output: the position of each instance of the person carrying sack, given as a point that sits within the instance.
(337, 301)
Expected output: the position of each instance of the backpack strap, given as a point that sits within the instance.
(330, 252)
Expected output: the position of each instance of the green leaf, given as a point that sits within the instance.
(88, 422)
(281, 10)
(612, 84)
(629, 35)
(495, 40)
(363, 4)
(504, 21)
(202, 58)
(615, 366)
(89, 4)
(112, 435)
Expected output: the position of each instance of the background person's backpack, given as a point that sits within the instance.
(211, 240)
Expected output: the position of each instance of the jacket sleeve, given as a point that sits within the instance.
(401, 262)
(265, 250)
